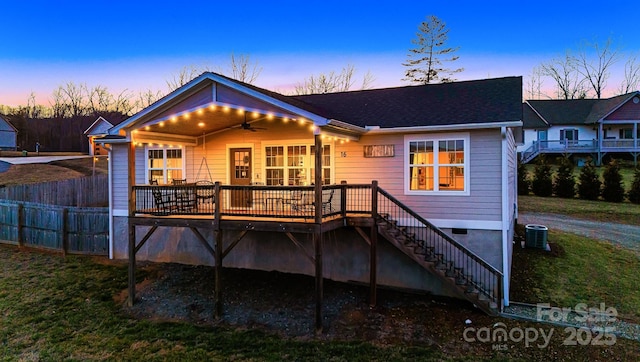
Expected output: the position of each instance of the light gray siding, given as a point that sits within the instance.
(483, 202)
(120, 177)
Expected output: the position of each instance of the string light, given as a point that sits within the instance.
(254, 113)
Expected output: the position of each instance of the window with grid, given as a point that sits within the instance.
(294, 164)
(274, 165)
(164, 164)
(437, 165)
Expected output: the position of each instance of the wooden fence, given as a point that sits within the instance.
(74, 230)
(92, 191)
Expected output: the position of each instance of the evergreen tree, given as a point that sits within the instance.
(565, 183)
(524, 185)
(425, 61)
(634, 192)
(542, 184)
(612, 189)
(589, 185)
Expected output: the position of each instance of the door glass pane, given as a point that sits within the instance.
(242, 161)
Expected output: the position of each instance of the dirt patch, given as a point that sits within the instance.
(284, 304)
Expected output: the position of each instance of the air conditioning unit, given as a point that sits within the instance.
(536, 236)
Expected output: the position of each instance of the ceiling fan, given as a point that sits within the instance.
(248, 127)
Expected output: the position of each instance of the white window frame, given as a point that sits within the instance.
(309, 162)
(435, 138)
(164, 161)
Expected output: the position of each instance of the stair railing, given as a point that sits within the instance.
(433, 242)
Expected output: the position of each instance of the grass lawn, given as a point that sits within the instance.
(624, 212)
(66, 309)
(578, 270)
(54, 171)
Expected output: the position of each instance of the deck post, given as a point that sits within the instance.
(317, 235)
(132, 264)
(373, 252)
(219, 248)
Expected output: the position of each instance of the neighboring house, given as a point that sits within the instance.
(8, 136)
(99, 128)
(294, 183)
(582, 127)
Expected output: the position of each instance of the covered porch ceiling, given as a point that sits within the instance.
(187, 126)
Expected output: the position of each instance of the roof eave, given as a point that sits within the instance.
(450, 127)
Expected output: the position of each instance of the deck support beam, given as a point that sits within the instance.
(132, 264)
(317, 235)
(373, 247)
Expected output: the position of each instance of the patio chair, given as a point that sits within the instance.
(327, 198)
(302, 202)
(165, 202)
(177, 181)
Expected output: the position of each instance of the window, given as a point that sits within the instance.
(294, 164)
(626, 133)
(570, 135)
(437, 164)
(164, 164)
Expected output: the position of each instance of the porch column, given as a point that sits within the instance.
(131, 173)
(599, 148)
(317, 236)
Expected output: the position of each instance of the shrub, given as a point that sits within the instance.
(634, 191)
(589, 185)
(542, 184)
(612, 189)
(524, 185)
(565, 183)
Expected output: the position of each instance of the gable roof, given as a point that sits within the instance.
(478, 101)
(99, 127)
(559, 112)
(6, 126)
(531, 118)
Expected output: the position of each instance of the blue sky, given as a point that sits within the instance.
(138, 45)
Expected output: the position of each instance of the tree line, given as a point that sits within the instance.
(589, 185)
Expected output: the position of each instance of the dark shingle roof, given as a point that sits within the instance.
(563, 112)
(479, 101)
(575, 111)
(531, 119)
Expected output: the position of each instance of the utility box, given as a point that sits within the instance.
(536, 236)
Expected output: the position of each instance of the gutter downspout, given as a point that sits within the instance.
(505, 218)
(110, 173)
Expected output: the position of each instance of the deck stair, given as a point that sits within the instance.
(466, 274)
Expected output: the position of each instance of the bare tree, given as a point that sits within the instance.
(425, 62)
(631, 78)
(58, 103)
(98, 99)
(534, 84)
(595, 68)
(122, 102)
(184, 75)
(242, 70)
(74, 98)
(147, 98)
(569, 82)
(332, 82)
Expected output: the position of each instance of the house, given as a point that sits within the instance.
(220, 172)
(8, 135)
(99, 128)
(582, 127)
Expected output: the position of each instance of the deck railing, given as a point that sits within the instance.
(233, 200)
